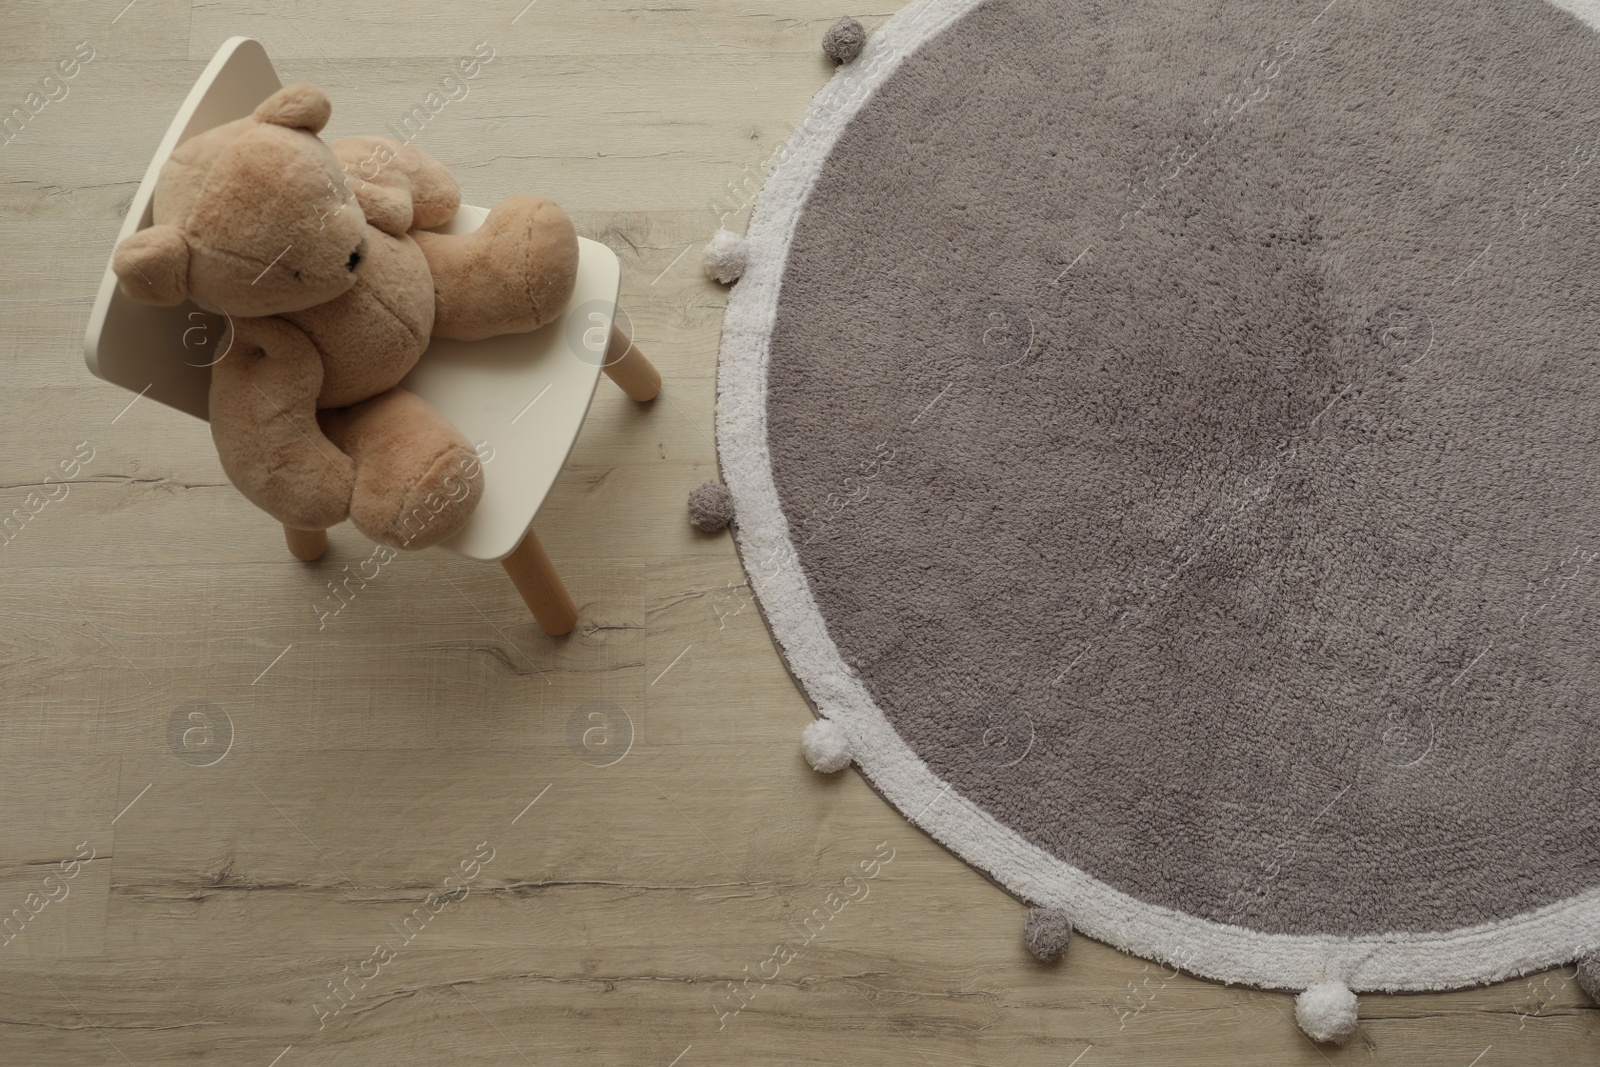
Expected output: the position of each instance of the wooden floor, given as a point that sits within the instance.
(624, 814)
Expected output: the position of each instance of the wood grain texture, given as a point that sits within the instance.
(272, 788)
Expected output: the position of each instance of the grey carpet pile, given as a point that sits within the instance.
(1186, 418)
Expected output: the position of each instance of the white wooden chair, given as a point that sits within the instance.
(525, 395)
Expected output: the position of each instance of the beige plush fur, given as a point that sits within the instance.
(319, 256)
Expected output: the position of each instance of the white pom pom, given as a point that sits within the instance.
(826, 747)
(726, 256)
(1326, 1012)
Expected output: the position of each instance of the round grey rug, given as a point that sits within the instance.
(1164, 436)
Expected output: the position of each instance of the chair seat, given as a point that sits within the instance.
(523, 395)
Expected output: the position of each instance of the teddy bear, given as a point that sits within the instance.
(322, 259)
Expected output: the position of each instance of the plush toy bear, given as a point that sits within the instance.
(320, 257)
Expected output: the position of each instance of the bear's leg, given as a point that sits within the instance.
(513, 274)
(417, 478)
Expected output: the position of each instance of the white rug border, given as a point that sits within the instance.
(1549, 936)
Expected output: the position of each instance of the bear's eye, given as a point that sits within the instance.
(296, 275)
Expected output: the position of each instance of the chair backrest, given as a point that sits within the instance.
(166, 353)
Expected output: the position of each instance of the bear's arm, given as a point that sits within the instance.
(399, 187)
(264, 422)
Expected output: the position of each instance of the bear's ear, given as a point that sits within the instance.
(301, 106)
(153, 266)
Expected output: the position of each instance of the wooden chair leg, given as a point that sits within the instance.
(626, 366)
(306, 545)
(536, 579)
